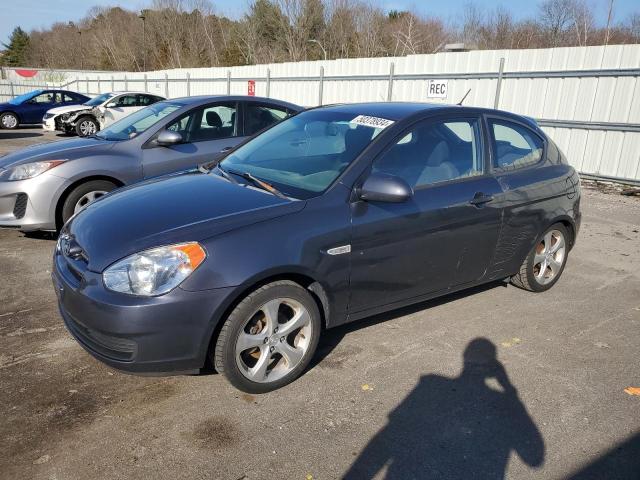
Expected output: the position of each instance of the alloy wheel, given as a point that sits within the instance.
(549, 257)
(87, 127)
(274, 340)
(9, 121)
(87, 198)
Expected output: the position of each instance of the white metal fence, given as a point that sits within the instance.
(586, 98)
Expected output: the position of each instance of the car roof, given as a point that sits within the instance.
(202, 99)
(400, 110)
(129, 92)
(388, 110)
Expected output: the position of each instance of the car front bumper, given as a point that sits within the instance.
(165, 334)
(49, 124)
(29, 205)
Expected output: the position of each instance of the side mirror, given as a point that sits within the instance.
(383, 187)
(167, 138)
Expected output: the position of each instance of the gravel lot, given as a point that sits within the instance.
(389, 397)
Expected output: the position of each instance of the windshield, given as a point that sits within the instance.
(136, 123)
(24, 97)
(95, 101)
(303, 155)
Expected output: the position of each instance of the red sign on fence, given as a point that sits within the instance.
(251, 88)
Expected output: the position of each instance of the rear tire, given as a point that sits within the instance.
(83, 195)
(546, 261)
(9, 121)
(86, 126)
(269, 338)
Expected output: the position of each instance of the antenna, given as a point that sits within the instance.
(463, 98)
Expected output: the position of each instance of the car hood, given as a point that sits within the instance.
(169, 210)
(68, 108)
(60, 150)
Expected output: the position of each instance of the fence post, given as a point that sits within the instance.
(228, 82)
(112, 84)
(268, 82)
(188, 84)
(99, 85)
(146, 89)
(496, 100)
(77, 83)
(12, 91)
(166, 85)
(126, 82)
(390, 85)
(321, 86)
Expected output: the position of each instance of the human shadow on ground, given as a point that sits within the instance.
(455, 428)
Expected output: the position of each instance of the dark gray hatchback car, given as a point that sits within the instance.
(42, 186)
(332, 215)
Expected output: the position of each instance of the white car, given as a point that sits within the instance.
(97, 113)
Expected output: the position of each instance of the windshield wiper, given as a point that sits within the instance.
(260, 183)
(226, 175)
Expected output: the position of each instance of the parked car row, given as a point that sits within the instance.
(30, 108)
(293, 221)
(99, 112)
(41, 187)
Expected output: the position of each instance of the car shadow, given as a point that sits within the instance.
(332, 337)
(41, 235)
(15, 134)
(621, 462)
(460, 427)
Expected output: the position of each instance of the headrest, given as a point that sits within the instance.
(438, 155)
(214, 120)
(355, 139)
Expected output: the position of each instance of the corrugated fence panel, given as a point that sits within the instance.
(593, 116)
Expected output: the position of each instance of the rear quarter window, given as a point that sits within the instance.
(514, 146)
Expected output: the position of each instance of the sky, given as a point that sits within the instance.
(30, 14)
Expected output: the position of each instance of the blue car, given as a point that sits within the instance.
(29, 108)
(332, 215)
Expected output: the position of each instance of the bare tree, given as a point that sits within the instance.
(555, 19)
(188, 33)
(607, 35)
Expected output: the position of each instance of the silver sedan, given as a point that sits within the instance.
(42, 186)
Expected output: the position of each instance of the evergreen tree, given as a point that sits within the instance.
(16, 50)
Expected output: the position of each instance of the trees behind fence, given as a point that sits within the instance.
(188, 33)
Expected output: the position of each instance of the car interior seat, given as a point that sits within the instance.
(215, 123)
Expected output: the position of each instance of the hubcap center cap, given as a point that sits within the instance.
(274, 339)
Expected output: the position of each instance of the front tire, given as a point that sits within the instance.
(9, 121)
(83, 195)
(546, 261)
(269, 338)
(86, 126)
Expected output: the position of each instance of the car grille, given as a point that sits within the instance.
(106, 345)
(20, 207)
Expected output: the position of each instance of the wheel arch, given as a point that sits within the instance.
(569, 224)
(63, 196)
(305, 280)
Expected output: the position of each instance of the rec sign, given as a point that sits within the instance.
(437, 88)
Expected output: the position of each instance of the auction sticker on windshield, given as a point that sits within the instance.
(374, 122)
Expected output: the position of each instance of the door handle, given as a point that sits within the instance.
(480, 199)
(225, 149)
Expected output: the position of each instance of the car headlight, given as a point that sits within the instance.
(156, 271)
(65, 116)
(29, 170)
